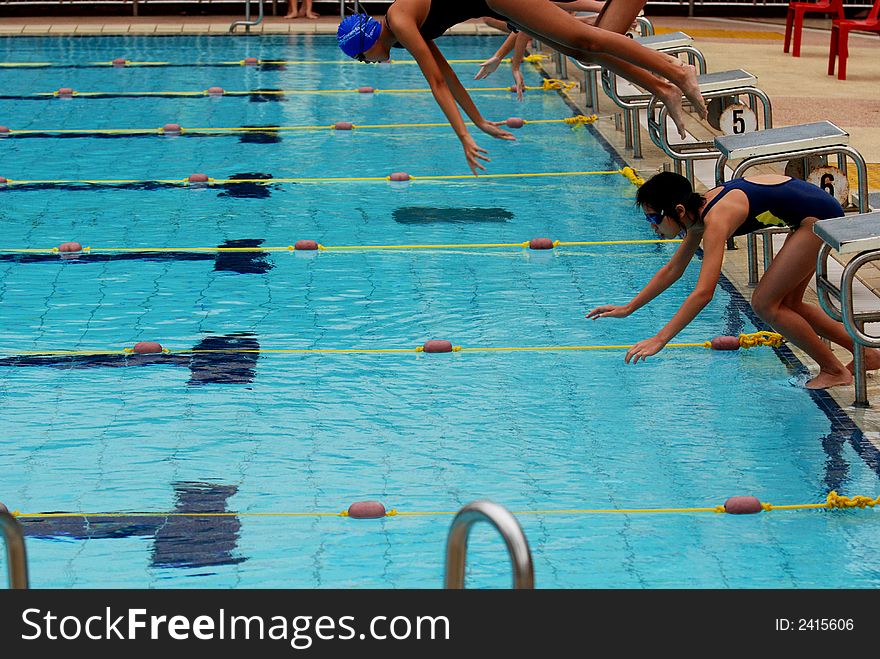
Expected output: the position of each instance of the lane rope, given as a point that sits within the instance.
(833, 501)
(752, 340)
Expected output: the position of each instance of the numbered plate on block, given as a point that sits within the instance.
(832, 180)
(738, 119)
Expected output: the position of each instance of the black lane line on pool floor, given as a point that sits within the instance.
(843, 428)
(216, 360)
(237, 262)
(242, 190)
(178, 542)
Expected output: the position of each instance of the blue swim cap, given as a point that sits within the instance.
(357, 33)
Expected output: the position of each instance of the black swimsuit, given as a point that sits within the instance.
(443, 14)
(779, 204)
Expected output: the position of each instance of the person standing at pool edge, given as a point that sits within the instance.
(414, 24)
(735, 208)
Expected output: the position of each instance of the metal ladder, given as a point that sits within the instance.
(16, 555)
(247, 22)
(859, 235)
(507, 526)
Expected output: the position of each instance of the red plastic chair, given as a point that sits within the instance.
(795, 19)
(840, 30)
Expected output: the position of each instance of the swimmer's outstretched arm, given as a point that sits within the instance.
(663, 279)
(714, 239)
(430, 61)
(489, 66)
(464, 99)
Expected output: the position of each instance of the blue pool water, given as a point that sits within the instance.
(311, 433)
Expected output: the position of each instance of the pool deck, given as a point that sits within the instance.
(799, 89)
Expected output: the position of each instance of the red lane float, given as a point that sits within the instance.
(515, 122)
(400, 176)
(65, 92)
(70, 247)
(119, 62)
(725, 343)
(216, 91)
(307, 245)
(343, 125)
(437, 345)
(742, 505)
(147, 347)
(540, 243)
(4, 131)
(171, 129)
(366, 510)
(366, 89)
(198, 178)
(251, 61)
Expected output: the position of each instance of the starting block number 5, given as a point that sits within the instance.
(738, 119)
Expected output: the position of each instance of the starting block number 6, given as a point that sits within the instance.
(738, 119)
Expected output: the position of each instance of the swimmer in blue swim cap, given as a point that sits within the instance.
(414, 24)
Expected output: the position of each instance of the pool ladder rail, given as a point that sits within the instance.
(247, 22)
(16, 555)
(507, 526)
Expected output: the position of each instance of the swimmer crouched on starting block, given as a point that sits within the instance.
(414, 24)
(736, 208)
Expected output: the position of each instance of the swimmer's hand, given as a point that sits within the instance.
(474, 154)
(610, 311)
(519, 83)
(492, 128)
(644, 349)
(487, 67)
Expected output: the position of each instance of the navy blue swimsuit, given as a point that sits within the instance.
(779, 204)
(443, 14)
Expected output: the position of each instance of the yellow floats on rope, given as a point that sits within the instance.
(575, 122)
(328, 179)
(243, 62)
(548, 85)
(340, 248)
(834, 501)
(767, 339)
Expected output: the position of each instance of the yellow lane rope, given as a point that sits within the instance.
(530, 58)
(746, 341)
(549, 85)
(834, 501)
(575, 122)
(341, 248)
(327, 179)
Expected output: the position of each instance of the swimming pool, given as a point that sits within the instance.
(269, 434)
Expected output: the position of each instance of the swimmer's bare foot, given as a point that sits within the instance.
(671, 98)
(307, 14)
(827, 379)
(872, 361)
(687, 82)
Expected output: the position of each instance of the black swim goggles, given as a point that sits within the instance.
(654, 218)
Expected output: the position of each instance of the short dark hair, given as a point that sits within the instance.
(664, 191)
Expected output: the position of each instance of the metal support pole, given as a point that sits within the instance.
(507, 526)
(15, 551)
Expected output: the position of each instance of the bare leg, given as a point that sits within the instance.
(827, 327)
(291, 9)
(618, 15)
(794, 263)
(549, 23)
(306, 10)
(668, 93)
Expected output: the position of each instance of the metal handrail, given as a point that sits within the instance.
(853, 322)
(16, 554)
(247, 22)
(507, 526)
